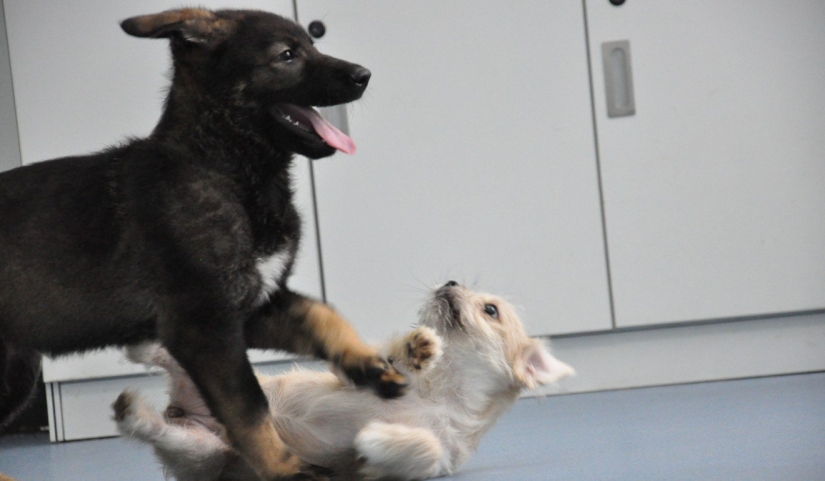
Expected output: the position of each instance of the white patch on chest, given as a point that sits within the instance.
(271, 269)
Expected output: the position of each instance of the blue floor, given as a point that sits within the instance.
(756, 429)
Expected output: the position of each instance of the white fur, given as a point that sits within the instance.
(408, 452)
(271, 269)
(464, 374)
(189, 452)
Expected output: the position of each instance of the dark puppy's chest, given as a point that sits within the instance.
(276, 231)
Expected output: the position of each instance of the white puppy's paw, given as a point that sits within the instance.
(124, 406)
(134, 417)
(423, 348)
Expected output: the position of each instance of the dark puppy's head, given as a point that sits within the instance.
(261, 62)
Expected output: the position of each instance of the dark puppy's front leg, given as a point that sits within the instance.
(295, 323)
(209, 345)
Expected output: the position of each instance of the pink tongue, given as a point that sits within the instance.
(330, 134)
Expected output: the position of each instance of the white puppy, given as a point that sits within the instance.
(466, 363)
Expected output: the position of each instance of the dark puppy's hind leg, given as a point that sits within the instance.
(19, 372)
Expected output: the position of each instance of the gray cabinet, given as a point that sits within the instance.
(476, 162)
(713, 192)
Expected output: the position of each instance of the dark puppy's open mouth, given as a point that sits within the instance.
(307, 123)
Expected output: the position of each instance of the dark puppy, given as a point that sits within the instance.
(188, 235)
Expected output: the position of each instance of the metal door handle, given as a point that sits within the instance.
(618, 78)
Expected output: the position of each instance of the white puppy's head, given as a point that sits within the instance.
(483, 331)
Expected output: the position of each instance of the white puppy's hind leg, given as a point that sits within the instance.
(399, 452)
(190, 453)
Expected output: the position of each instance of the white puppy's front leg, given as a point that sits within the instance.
(416, 352)
(413, 353)
(191, 453)
(399, 452)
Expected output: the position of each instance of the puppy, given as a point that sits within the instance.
(467, 362)
(188, 235)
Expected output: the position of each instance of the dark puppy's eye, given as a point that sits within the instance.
(286, 55)
(491, 310)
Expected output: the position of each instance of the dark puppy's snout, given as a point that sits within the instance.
(361, 77)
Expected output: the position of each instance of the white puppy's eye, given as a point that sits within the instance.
(491, 310)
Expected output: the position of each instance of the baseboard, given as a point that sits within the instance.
(695, 353)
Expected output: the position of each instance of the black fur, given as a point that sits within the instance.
(159, 237)
(19, 371)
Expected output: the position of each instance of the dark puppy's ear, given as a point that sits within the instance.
(190, 24)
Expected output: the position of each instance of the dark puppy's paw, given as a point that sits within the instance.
(319, 473)
(385, 380)
(309, 472)
(306, 477)
(379, 375)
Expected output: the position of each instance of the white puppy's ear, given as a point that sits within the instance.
(535, 366)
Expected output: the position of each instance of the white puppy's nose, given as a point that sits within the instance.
(451, 284)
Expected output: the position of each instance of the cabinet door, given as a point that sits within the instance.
(475, 162)
(713, 190)
(81, 84)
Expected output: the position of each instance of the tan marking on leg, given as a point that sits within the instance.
(335, 334)
(341, 344)
(266, 453)
(255, 438)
